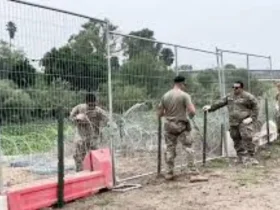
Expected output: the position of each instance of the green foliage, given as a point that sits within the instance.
(145, 71)
(81, 71)
(8, 58)
(127, 96)
(242, 75)
(48, 98)
(82, 62)
(167, 56)
(15, 103)
(134, 47)
(12, 29)
(28, 138)
(23, 74)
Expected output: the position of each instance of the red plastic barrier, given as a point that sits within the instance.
(44, 193)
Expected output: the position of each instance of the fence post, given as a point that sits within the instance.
(176, 60)
(222, 139)
(267, 121)
(159, 146)
(60, 149)
(110, 99)
(204, 139)
(1, 160)
(248, 71)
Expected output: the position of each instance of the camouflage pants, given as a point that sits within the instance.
(171, 140)
(242, 137)
(82, 147)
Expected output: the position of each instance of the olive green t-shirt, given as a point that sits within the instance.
(175, 103)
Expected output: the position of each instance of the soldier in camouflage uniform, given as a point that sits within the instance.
(88, 119)
(175, 106)
(277, 105)
(243, 113)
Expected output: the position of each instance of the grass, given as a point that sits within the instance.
(29, 138)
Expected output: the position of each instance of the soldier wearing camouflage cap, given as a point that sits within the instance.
(243, 114)
(175, 106)
(88, 118)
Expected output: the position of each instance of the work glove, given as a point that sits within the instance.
(247, 121)
(206, 108)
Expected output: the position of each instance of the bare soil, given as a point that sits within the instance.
(230, 186)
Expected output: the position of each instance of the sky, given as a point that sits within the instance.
(238, 25)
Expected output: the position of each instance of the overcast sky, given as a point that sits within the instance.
(240, 25)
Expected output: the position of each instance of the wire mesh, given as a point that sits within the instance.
(143, 73)
(47, 59)
(204, 85)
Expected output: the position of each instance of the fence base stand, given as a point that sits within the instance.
(126, 187)
(43, 193)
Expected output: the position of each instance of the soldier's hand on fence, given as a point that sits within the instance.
(206, 108)
(247, 120)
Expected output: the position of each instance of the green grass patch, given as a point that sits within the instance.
(218, 163)
(29, 138)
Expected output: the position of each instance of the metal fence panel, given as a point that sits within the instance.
(143, 73)
(48, 58)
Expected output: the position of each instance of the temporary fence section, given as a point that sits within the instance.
(200, 67)
(247, 72)
(144, 71)
(48, 58)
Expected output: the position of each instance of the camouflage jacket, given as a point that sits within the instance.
(239, 107)
(88, 121)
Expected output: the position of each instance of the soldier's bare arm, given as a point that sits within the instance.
(223, 102)
(190, 106)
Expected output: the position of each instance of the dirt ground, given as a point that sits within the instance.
(229, 187)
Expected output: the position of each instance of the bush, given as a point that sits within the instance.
(15, 104)
(124, 96)
(48, 98)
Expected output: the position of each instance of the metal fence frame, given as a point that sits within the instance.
(219, 59)
(176, 47)
(221, 52)
(109, 72)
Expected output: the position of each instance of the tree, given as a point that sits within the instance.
(81, 71)
(167, 56)
(145, 71)
(23, 74)
(8, 58)
(133, 46)
(83, 60)
(11, 28)
(230, 66)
